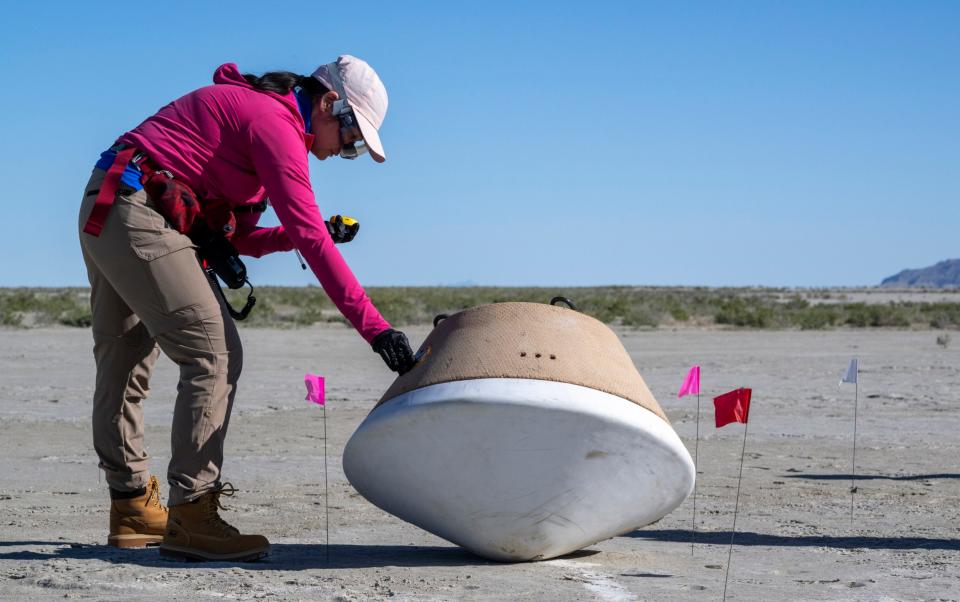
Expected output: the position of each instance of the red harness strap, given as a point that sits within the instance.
(108, 192)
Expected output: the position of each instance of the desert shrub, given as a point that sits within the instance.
(858, 315)
(862, 315)
(10, 318)
(796, 303)
(738, 311)
(608, 310)
(816, 317)
(19, 301)
(675, 306)
(678, 313)
(44, 306)
(400, 308)
(640, 318)
(942, 315)
(77, 317)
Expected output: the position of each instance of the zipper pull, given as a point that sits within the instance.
(300, 259)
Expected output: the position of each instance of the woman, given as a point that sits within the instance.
(230, 145)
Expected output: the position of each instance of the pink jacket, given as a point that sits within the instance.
(232, 142)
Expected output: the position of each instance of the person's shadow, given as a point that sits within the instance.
(283, 556)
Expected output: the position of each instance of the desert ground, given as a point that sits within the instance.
(795, 537)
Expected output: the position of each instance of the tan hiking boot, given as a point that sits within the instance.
(138, 521)
(195, 531)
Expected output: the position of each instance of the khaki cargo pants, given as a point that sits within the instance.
(149, 294)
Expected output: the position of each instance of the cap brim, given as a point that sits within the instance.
(370, 137)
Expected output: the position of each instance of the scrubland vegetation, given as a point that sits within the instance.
(641, 307)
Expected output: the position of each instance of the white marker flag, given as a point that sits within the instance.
(852, 371)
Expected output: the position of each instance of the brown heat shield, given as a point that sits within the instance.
(527, 340)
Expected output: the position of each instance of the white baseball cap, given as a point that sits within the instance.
(364, 92)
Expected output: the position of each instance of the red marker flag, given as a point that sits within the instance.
(732, 407)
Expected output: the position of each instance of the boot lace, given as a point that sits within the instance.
(154, 498)
(212, 505)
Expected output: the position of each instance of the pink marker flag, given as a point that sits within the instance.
(691, 384)
(315, 390)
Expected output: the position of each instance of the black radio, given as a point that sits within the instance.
(221, 259)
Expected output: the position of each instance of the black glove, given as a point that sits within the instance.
(341, 232)
(394, 348)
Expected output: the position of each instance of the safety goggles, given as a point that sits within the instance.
(349, 129)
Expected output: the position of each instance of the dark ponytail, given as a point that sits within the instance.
(282, 82)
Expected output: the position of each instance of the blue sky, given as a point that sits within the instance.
(551, 143)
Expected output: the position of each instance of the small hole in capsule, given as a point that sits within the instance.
(523, 354)
(537, 355)
(553, 357)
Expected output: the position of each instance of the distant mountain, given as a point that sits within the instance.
(942, 275)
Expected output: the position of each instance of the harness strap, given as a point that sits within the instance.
(111, 182)
(108, 192)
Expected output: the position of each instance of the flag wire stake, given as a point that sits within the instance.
(696, 449)
(326, 485)
(853, 460)
(736, 506)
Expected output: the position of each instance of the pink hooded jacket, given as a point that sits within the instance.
(232, 142)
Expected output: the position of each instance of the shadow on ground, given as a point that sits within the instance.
(748, 538)
(283, 556)
(871, 477)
